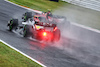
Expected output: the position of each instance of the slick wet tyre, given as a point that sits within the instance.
(56, 35)
(13, 24)
(26, 31)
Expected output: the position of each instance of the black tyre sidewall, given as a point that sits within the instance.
(56, 35)
(13, 24)
(26, 31)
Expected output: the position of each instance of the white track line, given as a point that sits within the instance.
(22, 53)
(24, 7)
(86, 27)
(76, 24)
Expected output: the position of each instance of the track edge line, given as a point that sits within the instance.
(22, 53)
(86, 27)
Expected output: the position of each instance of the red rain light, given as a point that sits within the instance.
(44, 34)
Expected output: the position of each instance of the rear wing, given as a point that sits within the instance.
(45, 24)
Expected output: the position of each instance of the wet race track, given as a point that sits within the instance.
(78, 47)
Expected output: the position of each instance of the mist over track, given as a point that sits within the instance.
(78, 47)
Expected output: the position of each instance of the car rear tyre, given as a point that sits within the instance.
(56, 35)
(26, 31)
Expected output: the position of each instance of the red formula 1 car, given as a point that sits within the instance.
(46, 31)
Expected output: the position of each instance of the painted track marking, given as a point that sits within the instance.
(22, 53)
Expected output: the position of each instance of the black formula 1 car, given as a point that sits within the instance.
(39, 30)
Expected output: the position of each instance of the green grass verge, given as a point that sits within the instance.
(11, 58)
(42, 5)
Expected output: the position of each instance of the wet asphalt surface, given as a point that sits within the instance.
(78, 47)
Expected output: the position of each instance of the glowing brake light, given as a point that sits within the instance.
(55, 29)
(44, 34)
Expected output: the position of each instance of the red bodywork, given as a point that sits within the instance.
(42, 33)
